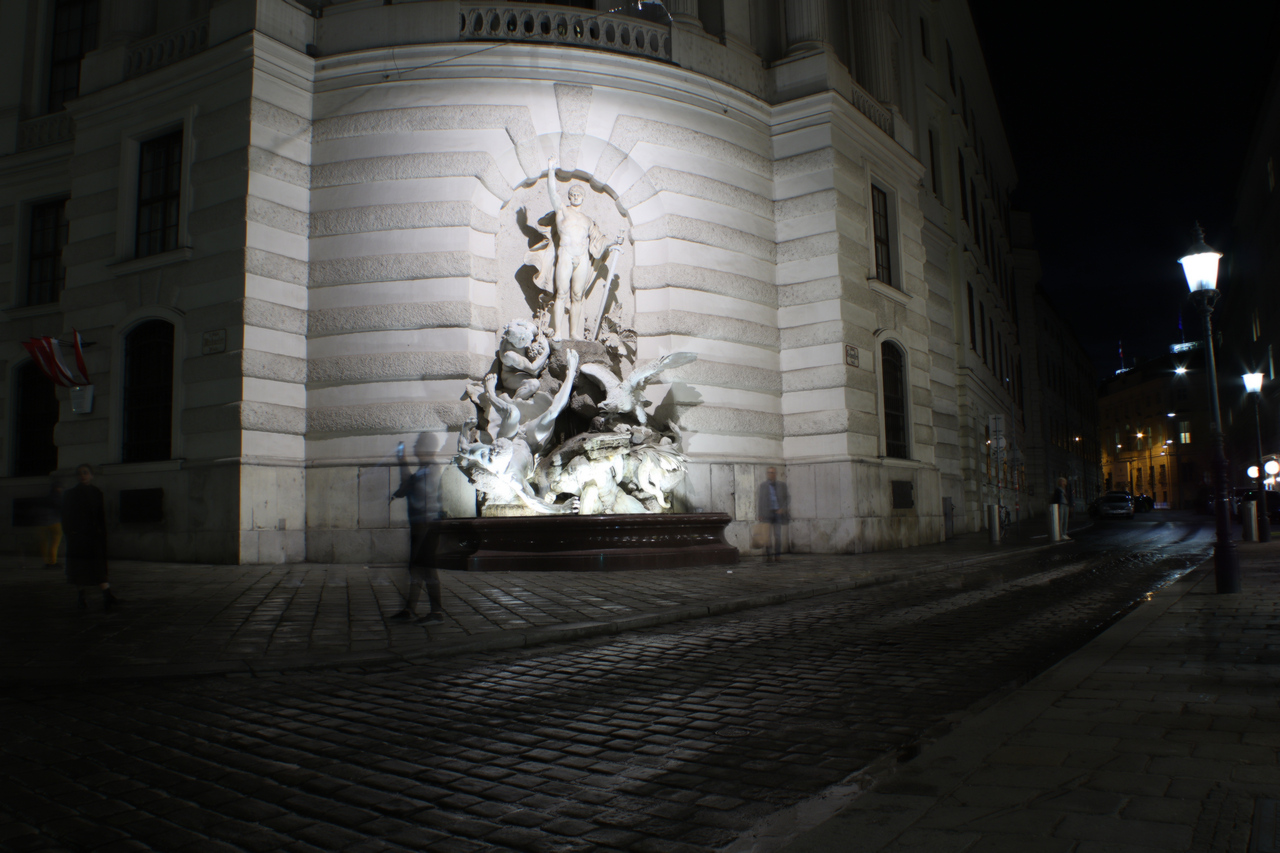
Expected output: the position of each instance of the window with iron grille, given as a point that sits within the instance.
(973, 214)
(973, 334)
(34, 418)
(148, 392)
(45, 273)
(159, 194)
(982, 329)
(880, 227)
(75, 33)
(894, 376)
(933, 162)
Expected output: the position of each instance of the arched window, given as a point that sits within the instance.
(148, 392)
(34, 417)
(893, 374)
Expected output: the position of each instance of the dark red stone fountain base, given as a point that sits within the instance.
(585, 543)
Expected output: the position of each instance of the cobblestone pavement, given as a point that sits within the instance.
(685, 737)
(1160, 735)
(182, 618)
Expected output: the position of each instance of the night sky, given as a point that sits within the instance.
(1128, 122)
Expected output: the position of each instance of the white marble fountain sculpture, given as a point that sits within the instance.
(622, 463)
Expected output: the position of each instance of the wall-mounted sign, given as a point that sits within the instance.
(82, 399)
(214, 341)
(851, 355)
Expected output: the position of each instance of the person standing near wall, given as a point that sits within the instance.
(772, 505)
(84, 523)
(1059, 507)
(424, 513)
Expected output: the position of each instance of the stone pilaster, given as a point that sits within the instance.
(684, 12)
(124, 21)
(808, 24)
(875, 44)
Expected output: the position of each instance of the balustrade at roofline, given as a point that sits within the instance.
(564, 25)
(45, 130)
(167, 48)
(509, 22)
(865, 103)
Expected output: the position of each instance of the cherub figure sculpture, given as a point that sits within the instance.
(523, 353)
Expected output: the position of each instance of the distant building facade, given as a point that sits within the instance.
(289, 229)
(1154, 430)
(1062, 411)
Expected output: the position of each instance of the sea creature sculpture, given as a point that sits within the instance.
(626, 396)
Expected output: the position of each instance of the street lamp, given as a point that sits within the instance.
(1201, 268)
(1253, 387)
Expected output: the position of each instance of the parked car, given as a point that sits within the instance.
(1113, 505)
(1144, 503)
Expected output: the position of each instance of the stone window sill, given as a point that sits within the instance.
(140, 467)
(21, 312)
(888, 290)
(163, 259)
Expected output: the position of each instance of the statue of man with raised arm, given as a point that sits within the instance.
(579, 244)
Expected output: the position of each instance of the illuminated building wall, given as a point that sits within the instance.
(317, 204)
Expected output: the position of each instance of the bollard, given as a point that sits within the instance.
(993, 522)
(1249, 516)
(1055, 520)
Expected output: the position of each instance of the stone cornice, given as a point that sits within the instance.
(830, 107)
(418, 63)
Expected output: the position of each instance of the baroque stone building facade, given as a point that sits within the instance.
(290, 232)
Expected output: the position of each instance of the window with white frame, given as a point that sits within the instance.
(159, 195)
(148, 392)
(75, 33)
(893, 378)
(46, 238)
(35, 415)
(882, 234)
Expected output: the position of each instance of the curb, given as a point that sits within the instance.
(490, 641)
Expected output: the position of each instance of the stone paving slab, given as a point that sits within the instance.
(184, 619)
(1160, 734)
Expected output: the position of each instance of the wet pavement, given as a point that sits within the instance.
(1159, 735)
(740, 731)
(199, 619)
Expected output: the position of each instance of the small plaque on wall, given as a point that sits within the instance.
(82, 399)
(851, 355)
(214, 341)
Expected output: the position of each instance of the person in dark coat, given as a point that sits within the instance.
(423, 496)
(84, 524)
(772, 507)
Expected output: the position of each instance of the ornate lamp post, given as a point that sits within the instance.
(1201, 268)
(1253, 386)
